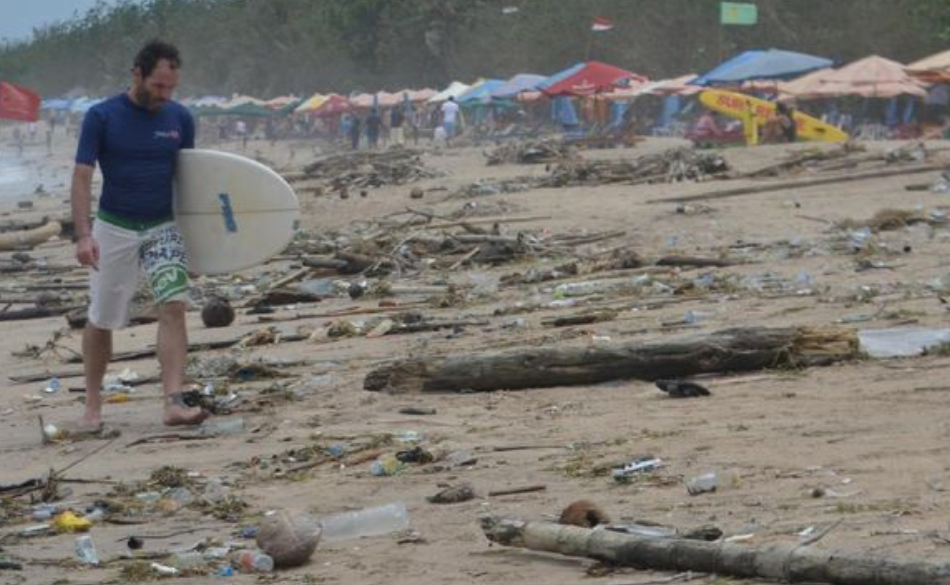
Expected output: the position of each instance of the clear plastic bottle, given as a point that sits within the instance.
(188, 560)
(254, 561)
(580, 289)
(367, 522)
(86, 550)
(706, 483)
(222, 427)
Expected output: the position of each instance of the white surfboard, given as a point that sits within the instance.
(233, 212)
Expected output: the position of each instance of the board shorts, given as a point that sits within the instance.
(125, 253)
(449, 128)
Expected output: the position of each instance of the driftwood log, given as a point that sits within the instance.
(733, 350)
(29, 238)
(33, 313)
(781, 561)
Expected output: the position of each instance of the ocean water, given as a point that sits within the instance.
(17, 179)
(25, 179)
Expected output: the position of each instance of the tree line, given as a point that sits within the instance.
(274, 47)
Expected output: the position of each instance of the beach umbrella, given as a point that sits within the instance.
(209, 101)
(681, 86)
(380, 99)
(480, 92)
(589, 78)
(333, 105)
(455, 89)
(362, 100)
(757, 64)
(872, 76)
(56, 105)
(421, 95)
(804, 87)
(932, 69)
(311, 104)
(19, 103)
(246, 109)
(279, 103)
(388, 100)
(240, 100)
(83, 104)
(521, 83)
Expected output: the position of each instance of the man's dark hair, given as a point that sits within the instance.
(154, 52)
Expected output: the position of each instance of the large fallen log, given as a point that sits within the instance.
(733, 350)
(780, 561)
(29, 238)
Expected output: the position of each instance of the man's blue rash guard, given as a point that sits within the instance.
(136, 149)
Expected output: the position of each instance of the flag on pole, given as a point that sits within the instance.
(602, 24)
(18, 103)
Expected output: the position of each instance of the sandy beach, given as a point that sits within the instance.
(860, 446)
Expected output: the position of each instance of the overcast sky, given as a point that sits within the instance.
(19, 17)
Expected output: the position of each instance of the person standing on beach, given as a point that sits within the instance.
(450, 118)
(788, 128)
(355, 131)
(374, 123)
(396, 119)
(135, 138)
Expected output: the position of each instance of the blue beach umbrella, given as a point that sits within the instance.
(759, 64)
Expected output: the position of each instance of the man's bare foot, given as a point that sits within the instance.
(90, 421)
(180, 416)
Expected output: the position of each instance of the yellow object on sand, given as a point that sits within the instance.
(69, 522)
(755, 112)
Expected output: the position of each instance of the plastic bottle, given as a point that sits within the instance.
(367, 522)
(86, 551)
(254, 561)
(644, 465)
(409, 436)
(53, 386)
(220, 428)
(188, 560)
(580, 289)
(859, 239)
(692, 317)
(215, 491)
(386, 466)
(216, 553)
(148, 497)
(46, 511)
(708, 482)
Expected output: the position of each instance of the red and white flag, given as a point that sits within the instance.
(18, 103)
(601, 24)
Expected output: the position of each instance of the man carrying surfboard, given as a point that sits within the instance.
(135, 138)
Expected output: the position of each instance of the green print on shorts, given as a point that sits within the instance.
(163, 258)
(168, 281)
